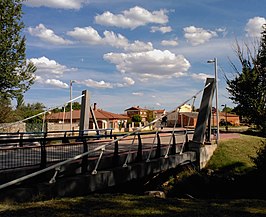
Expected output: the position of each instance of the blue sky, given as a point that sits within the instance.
(130, 52)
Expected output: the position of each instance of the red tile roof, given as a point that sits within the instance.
(99, 114)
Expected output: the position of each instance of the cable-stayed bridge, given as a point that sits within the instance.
(65, 163)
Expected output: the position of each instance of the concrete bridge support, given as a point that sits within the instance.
(204, 150)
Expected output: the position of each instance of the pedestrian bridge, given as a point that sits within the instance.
(66, 164)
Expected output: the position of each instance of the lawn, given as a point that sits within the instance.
(231, 159)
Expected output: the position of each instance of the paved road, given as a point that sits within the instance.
(16, 157)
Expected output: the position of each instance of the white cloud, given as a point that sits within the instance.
(47, 35)
(56, 83)
(132, 18)
(128, 81)
(137, 93)
(48, 72)
(169, 42)
(200, 76)
(254, 26)
(197, 36)
(162, 29)
(89, 35)
(103, 84)
(139, 46)
(115, 40)
(96, 84)
(150, 64)
(86, 35)
(51, 82)
(46, 67)
(64, 4)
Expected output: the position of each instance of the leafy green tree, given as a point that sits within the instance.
(16, 75)
(6, 112)
(248, 88)
(227, 109)
(75, 106)
(136, 118)
(150, 116)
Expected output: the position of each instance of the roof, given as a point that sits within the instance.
(99, 114)
(135, 108)
(159, 111)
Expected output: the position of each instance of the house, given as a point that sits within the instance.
(189, 119)
(185, 117)
(104, 119)
(158, 113)
(230, 118)
(136, 110)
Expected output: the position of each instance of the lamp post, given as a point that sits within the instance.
(70, 87)
(216, 96)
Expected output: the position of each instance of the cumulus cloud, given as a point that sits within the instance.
(132, 18)
(115, 40)
(139, 46)
(197, 36)
(162, 29)
(200, 76)
(169, 42)
(47, 35)
(254, 26)
(48, 72)
(128, 81)
(56, 83)
(66, 4)
(47, 67)
(89, 35)
(96, 84)
(150, 64)
(103, 84)
(86, 35)
(51, 82)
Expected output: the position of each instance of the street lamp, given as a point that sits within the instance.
(216, 96)
(70, 86)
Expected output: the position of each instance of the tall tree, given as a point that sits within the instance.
(16, 75)
(248, 88)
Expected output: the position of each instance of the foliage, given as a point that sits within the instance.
(227, 109)
(75, 106)
(136, 118)
(6, 113)
(229, 173)
(248, 88)
(260, 159)
(150, 116)
(16, 75)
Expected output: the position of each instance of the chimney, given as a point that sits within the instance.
(95, 106)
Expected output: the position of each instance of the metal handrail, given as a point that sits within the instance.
(102, 147)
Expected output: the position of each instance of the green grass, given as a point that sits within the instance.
(231, 157)
(132, 205)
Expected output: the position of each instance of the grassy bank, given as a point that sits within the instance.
(216, 191)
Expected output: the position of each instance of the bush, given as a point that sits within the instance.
(260, 159)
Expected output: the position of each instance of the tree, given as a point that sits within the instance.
(16, 75)
(6, 113)
(248, 88)
(75, 106)
(136, 118)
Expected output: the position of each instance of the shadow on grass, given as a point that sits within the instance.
(128, 205)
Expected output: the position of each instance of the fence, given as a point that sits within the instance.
(43, 149)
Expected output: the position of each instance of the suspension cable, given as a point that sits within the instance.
(13, 182)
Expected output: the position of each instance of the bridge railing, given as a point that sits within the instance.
(46, 150)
